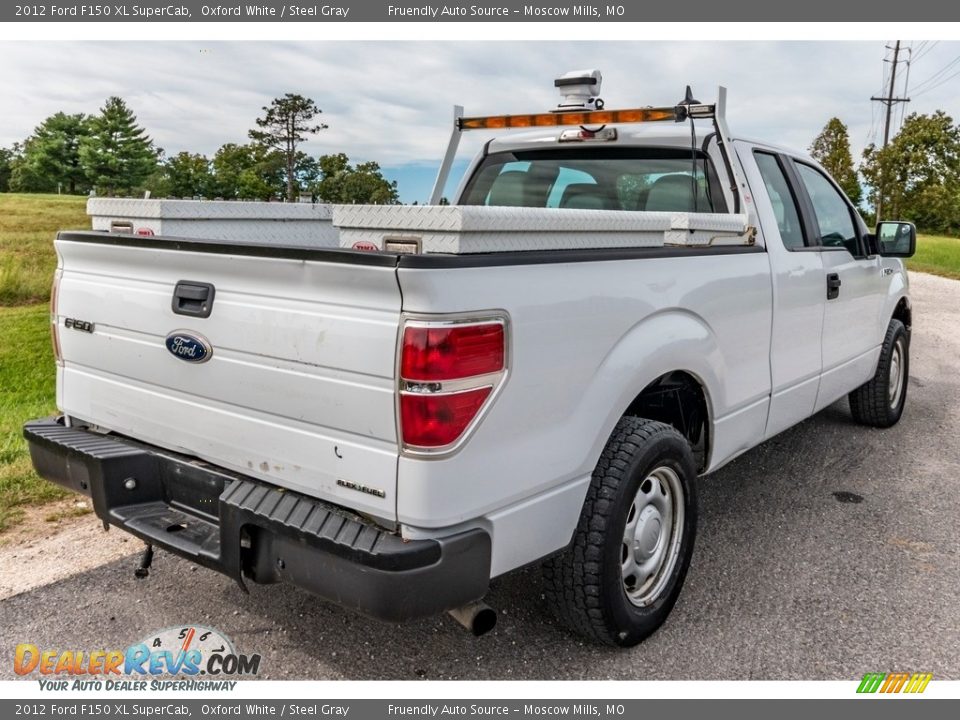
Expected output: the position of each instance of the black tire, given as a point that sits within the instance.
(873, 403)
(585, 586)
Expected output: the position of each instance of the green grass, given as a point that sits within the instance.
(27, 380)
(937, 255)
(28, 224)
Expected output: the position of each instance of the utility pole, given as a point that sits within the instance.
(889, 100)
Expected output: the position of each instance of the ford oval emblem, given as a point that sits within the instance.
(188, 347)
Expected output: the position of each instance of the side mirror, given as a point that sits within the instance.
(895, 239)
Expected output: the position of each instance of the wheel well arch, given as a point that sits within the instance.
(678, 398)
(903, 312)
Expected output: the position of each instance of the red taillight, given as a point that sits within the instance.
(448, 373)
(434, 420)
(431, 354)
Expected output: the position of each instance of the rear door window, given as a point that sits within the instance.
(784, 203)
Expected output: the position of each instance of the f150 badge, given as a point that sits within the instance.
(189, 347)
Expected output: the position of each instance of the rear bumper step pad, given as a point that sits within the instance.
(244, 528)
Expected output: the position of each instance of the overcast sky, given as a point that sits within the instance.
(391, 101)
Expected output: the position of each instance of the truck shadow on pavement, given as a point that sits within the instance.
(786, 583)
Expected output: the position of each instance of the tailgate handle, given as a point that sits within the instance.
(193, 298)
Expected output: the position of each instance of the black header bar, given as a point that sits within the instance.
(187, 11)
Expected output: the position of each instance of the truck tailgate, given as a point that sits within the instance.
(298, 389)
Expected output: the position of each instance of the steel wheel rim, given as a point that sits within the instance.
(895, 386)
(650, 546)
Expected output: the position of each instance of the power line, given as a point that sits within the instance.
(930, 48)
(921, 53)
(890, 99)
(944, 81)
(906, 87)
(937, 74)
(884, 75)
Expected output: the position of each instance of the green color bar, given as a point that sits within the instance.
(871, 682)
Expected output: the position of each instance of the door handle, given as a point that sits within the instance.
(833, 286)
(194, 299)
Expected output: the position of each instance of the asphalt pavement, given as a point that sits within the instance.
(830, 551)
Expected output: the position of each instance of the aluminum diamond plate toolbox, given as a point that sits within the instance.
(476, 229)
(237, 221)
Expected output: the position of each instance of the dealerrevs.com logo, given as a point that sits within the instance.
(200, 658)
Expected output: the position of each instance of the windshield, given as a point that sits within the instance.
(610, 178)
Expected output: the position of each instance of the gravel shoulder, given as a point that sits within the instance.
(42, 550)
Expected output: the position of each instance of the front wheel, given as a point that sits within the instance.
(622, 574)
(880, 401)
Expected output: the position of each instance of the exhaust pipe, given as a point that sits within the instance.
(477, 617)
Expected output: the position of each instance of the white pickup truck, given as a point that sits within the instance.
(616, 303)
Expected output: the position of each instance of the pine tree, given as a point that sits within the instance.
(286, 123)
(51, 156)
(831, 148)
(118, 155)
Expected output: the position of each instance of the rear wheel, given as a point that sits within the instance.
(880, 401)
(621, 576)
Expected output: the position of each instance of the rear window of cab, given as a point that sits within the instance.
(650, 179)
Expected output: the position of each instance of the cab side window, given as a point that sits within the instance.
(782, 199)
(834, 220)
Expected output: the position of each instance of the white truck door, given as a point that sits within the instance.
(798, 290)
(853, 287)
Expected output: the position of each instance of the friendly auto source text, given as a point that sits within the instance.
(433, 11)
(431, 710)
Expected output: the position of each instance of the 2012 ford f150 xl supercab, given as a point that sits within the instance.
(538, 373)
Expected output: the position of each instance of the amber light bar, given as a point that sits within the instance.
(594, 117)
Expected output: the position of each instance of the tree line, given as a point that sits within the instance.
(916, 177)
(110, 153)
